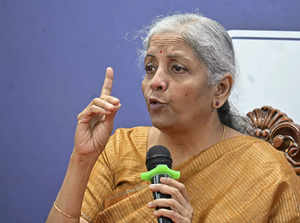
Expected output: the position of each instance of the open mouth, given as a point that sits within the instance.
(155, 104)
(153, 101)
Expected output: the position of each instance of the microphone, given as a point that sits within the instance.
(159, 164)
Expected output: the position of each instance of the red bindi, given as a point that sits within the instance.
(160, 51)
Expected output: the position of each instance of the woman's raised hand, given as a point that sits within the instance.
(95, 122)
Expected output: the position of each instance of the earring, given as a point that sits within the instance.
(215, 105)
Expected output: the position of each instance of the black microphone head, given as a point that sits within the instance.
(158, 155)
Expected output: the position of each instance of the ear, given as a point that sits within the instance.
(222, 91)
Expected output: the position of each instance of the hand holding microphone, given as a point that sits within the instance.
(170, 196)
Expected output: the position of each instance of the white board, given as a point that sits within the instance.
(269, 65)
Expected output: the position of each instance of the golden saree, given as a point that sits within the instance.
(241, 179)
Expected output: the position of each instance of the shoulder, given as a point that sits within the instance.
(126, 142)
(265, 154)
(276, 179)
(136, 136)
(135, 132)
(258, 159)
(259, 171)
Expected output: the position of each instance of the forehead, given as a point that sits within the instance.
(169, 40)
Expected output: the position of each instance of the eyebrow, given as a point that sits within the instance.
(171, 56)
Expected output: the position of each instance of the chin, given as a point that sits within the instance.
(164, 124)
(163, 120)
(159, 123)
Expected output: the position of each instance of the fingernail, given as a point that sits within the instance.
(151, 186)
(150, 204)
(116, 100)
(110, 106)
(163, 179)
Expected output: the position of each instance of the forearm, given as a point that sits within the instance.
(70, 196)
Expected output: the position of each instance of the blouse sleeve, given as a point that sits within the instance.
(101, 182)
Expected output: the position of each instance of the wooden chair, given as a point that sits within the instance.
(278, 129)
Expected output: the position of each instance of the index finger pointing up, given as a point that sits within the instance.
(107, 85)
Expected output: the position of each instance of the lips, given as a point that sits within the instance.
(154, 101)
(156, 104)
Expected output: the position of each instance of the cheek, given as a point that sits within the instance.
(186, 94)
(189, 92)
(195, 95)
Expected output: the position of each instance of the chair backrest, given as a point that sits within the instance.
(278, 129)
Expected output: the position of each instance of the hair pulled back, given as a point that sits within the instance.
(213, 46)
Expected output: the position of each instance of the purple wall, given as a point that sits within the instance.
(53, 56)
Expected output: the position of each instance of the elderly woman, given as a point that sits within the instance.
(227, 176)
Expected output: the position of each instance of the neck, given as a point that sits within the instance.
(187, 142)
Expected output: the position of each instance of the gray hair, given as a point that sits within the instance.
(213, 46)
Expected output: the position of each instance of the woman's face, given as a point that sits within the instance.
(175, 86)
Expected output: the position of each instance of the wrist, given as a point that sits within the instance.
(84, 160)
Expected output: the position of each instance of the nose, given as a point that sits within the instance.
(159, 81)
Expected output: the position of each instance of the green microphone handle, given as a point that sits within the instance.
(160, 169)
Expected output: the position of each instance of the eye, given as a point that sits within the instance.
(178, 68)
(150, 68)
